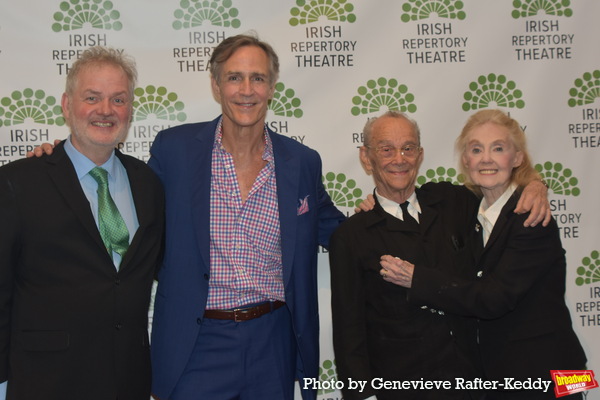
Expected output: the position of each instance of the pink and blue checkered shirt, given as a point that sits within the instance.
(245, 238)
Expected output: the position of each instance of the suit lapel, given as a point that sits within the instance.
(63, 174)
(199, 166)
(287, 171)
(502, 221)
(428, 213)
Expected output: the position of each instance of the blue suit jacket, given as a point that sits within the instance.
(181, 157)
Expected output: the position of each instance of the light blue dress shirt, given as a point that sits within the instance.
(118, 185)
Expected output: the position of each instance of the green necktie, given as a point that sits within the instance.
(112, 227)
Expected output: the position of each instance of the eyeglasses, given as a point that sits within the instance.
(389, 152)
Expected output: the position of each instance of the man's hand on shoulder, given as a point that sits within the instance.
(366, 205)
(44, 148)
(535, 199)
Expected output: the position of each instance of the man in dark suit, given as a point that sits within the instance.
(74, 301)
(376, 333)
(236, 312)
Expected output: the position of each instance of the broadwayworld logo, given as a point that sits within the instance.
(569, 382)
(75, 14)
(586, 89)
(492, 89)
(196, 12)
(30, 104)
(308, 12)
(158, 102)
(530, 8)
(387, 93)
(415, 10)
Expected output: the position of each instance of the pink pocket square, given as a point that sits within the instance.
(303, 207)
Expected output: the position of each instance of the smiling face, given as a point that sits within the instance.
(98, 110)
(394, 177)
(244, 89)
(490, 157)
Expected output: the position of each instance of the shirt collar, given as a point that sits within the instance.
(491, 213)
(267, 152)
(392, 207)
(83, 165)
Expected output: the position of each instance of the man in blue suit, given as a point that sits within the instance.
(236, 313)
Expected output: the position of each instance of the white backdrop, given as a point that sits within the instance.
(343, 61)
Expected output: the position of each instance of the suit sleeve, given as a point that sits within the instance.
(348, 313)
(8, 261)
(526, 257)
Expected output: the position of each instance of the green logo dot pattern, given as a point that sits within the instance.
(196, 12)
(327, 372)
(309, 11)
(586, 89)
(560, 180)
(75, 14)
(415, 10)
(343, 191)
(492, 88)
(284, 103)
(157, 101)
(383, 93)
(589, 272)
(441, 174)
(529, 8)
(30, 104)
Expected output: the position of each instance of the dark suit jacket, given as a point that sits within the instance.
(376, 332)
(181, 157)
(71, 326)
(517, 291)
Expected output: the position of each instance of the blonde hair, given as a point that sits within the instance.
(521, 175)
(99, 55)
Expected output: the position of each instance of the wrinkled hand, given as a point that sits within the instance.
(366, 205)
(535, 199)
(396, 271)
(44, 148)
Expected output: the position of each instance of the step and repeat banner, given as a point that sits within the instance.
(342, 62)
